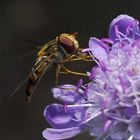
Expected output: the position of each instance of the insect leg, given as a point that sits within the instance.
(57, 73)
(72, 72)
(78, 58)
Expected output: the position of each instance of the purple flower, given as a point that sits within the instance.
(66, 120)
(108, 107)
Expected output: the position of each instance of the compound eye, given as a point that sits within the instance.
(67, 42)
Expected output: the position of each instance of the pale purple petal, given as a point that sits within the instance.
(134, 127)
(97, 126)
(123, 22)
(66, 93)
(118, 131)
(98, 48)
(56, 115)
(60, 134)
(130, 111)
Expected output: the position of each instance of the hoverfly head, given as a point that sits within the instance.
(69, 42)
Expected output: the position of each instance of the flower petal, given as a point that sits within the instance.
(123, 22)
(118, 131)
(59, 134)
(56, 115)
(98, 48)
(66, 93)
(134, 127)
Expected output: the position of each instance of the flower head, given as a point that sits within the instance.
(108, 107)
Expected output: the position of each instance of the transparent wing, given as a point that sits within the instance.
(42, 64)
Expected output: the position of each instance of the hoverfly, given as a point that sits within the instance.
(62, 49)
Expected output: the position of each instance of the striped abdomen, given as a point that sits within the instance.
(34, 78)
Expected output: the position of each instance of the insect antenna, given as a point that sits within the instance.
(75, 34)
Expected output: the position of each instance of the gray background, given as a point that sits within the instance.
(43, 20)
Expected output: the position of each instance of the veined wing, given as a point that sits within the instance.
(42, 64)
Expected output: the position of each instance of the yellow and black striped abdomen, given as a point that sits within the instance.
(34, 76)
(46, 56)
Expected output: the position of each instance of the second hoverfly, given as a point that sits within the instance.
(63, 49)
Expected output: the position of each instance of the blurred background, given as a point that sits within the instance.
(24, 24)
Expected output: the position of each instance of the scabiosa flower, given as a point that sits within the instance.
(108, 107)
